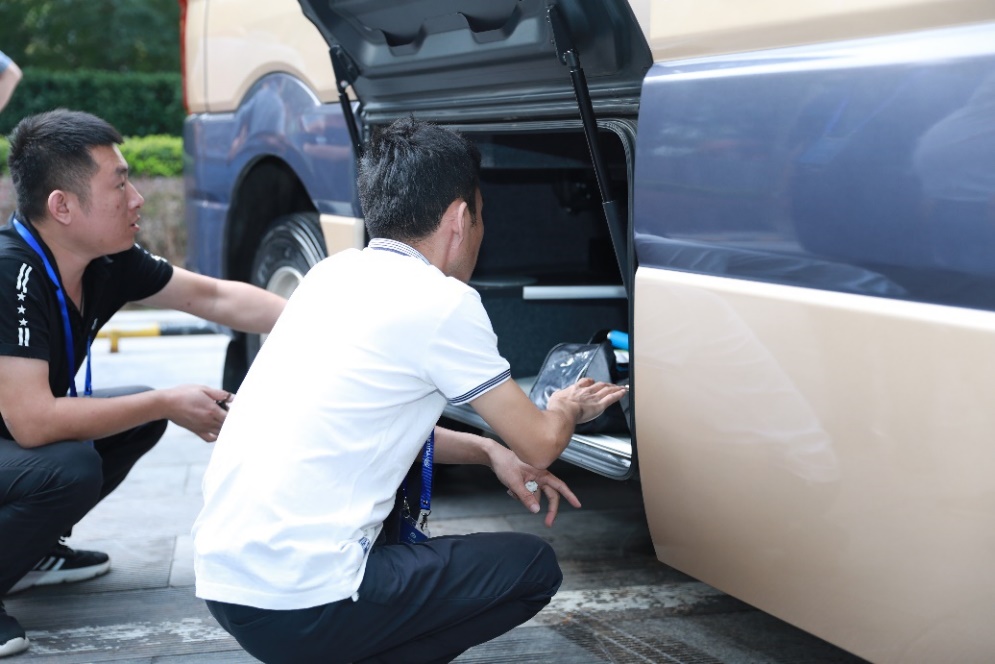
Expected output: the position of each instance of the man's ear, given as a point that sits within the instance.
(59, 204)
(461, 218)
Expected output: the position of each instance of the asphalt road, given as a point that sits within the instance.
(617, 603)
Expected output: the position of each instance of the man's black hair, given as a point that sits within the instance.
(51, 151)
(409, 174)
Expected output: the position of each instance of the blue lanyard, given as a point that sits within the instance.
(426, 472)
(67, 329)
(426, 475)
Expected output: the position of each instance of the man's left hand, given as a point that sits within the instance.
(518, 476)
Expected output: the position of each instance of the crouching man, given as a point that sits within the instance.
(337, 407)
(68, 262)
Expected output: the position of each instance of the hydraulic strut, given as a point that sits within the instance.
(346, 74)
(570, 57)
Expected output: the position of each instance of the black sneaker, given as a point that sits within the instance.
(12, 637)
(64, 565)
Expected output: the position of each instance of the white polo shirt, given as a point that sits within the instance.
(333, 412)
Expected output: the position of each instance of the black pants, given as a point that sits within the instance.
(45, 491)
(418, 603)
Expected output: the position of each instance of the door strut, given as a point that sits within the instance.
(346, 73)
(569, 56)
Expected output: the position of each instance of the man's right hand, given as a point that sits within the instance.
(197, 408)
(35, 417)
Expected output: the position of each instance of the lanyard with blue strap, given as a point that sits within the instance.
(67, 328)
(414, 529)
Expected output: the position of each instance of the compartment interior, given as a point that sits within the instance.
(547, 271)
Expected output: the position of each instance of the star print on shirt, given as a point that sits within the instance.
(23, 331)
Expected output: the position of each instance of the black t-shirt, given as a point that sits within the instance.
(31, 318)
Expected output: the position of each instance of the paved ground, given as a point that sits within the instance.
(617, 604)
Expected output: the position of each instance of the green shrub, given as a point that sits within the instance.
(154, 156)
(136, 103)
(4, 149)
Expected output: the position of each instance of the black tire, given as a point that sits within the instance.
(292, 246)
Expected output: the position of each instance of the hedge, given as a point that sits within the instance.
(154, 156)
(137, 104)
(147, 156)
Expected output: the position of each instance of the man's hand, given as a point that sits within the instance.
(586, 399)
(539, 437)
(518, 476)
(198, 408)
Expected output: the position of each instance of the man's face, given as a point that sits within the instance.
(108, 222)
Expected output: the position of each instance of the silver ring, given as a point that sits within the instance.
(532, 486)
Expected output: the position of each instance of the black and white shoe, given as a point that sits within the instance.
(64, 565)
(12, 637)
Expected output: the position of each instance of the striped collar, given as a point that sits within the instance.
(383, 244)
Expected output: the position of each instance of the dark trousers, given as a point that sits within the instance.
(45, 491)
(418, 603)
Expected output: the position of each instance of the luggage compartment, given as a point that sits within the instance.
(547, 271)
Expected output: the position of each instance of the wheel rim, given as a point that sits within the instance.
(284, 281)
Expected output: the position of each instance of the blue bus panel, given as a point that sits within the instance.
(281, 121)
(865, 167)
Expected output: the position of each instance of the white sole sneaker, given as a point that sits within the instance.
(14, 646)
(55, 577)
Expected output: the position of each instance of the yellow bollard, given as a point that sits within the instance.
(114, 335)
(157, 330)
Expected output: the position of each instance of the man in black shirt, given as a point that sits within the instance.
(68, 262)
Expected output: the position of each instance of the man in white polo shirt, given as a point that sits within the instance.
(336, 408)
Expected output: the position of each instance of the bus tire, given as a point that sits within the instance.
(292, 246)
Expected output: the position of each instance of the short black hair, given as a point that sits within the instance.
(51, 151)
(409, 174)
